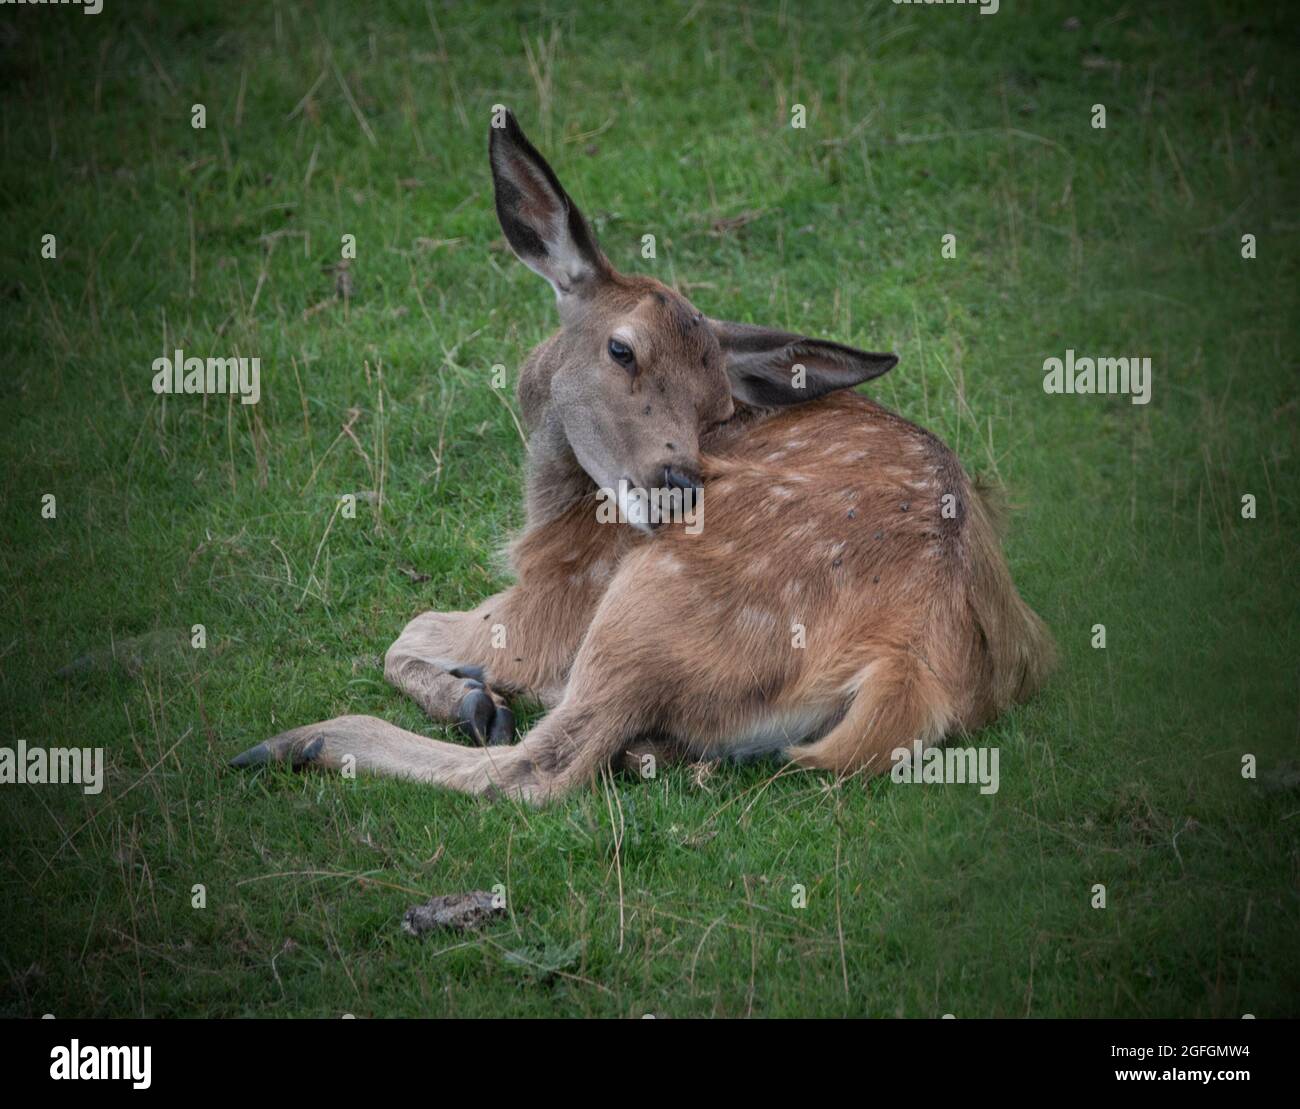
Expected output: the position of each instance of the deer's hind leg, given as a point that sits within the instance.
(898, 700)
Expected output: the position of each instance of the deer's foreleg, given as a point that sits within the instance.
(458, 665)
(442, 661)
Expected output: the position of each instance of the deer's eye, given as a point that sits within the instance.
(622, 354)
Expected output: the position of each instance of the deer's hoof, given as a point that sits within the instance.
(475, 715)
(503, 727)
(291, 747)
(254, 756)
(484, 717)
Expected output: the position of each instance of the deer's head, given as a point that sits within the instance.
(636, 373)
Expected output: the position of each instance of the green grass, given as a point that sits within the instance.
(671, 897)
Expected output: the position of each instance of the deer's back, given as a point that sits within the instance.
(841, 494)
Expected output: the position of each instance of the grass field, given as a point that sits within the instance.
(672, 897)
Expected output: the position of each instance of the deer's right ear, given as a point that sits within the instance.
(772, 369)
(542, 224)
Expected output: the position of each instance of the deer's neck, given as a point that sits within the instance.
(555, 480)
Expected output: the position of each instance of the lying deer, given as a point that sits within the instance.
(846, 595)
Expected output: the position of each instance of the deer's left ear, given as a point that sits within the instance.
(542, 224)
(764, 365)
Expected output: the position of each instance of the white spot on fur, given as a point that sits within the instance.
(755, 619)
(670, 564)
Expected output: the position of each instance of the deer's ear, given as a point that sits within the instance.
(771, 369)
(542, 224)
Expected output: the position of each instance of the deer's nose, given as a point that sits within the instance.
(682, 477)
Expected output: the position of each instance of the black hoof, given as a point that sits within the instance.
(503, 727)
(279, 750)
(254, 756)
(476, 715)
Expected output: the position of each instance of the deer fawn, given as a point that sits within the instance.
(846, 596)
